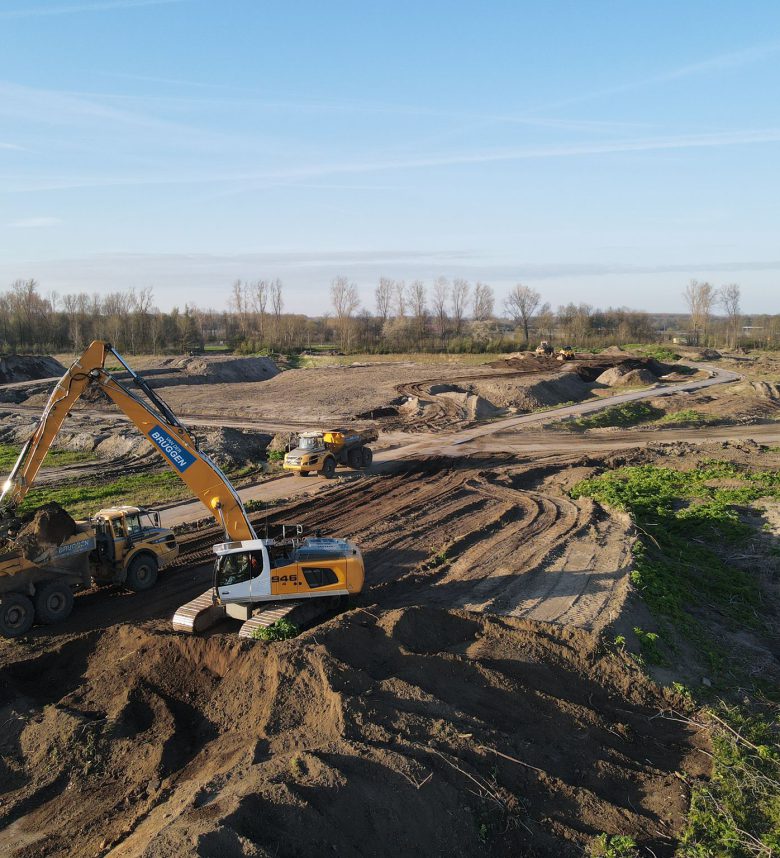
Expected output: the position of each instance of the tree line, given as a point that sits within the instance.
(444, 315)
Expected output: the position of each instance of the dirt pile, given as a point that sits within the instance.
(50, 526)
(228, 369)
(625, 376)
(16, 368)
(413, 731)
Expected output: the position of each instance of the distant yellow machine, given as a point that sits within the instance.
(323, 452)
(544, 348)
(566, 353)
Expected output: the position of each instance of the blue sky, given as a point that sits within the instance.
(603, 152)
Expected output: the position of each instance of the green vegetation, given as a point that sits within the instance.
(281, 630)
(686, 516)
(737, 814)
(690, 522)
(660, 353)
(276, 456)
(627, 414)
(688, 417)
(648, 641)
(84, 500)
(9, 454)
(614, 846)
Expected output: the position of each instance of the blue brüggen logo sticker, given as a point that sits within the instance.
(180, 458)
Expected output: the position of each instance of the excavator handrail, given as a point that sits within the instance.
(159, 425)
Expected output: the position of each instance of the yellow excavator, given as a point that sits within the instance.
(256, 580)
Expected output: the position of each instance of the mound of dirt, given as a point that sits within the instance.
(51, 525)
(235, 446)
(15, 368)
(415, 731)
(228, 369)
(624, 376)
(565, 387)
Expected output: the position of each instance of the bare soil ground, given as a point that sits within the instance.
(469, 692)
(466, 705)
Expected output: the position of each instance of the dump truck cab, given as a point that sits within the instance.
(131, 546)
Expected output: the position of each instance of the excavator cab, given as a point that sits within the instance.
(243, 576)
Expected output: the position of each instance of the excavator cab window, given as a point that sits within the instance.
(238, 568)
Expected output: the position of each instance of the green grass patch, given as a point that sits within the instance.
(9, 453)
(135, 489)
(660, 353)
(686, 516)
(614, 846)
(690, 521)
(624, 415)
(688, 417)
(281, 630)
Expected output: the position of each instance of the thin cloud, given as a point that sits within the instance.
(293, 175)
(11, 146)
(77, 8)
(34, 222)
(730, 60)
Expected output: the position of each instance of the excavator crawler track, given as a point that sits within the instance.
(199, 614)
(299, 613)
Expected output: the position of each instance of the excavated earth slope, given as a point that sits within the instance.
(465, 706)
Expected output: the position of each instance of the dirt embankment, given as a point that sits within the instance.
(422, 731)
(16, 368)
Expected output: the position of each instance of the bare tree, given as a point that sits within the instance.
(400, 299)
(277, 305)
(484, 302)
(521, 305)
(418, 301)
(383, 296)
(441, 293)
(699, 297)
(729, 298)
(345, 300)
(259, 294)
(458, 299)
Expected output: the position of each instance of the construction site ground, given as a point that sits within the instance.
(465, 704)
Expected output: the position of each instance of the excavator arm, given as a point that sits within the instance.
(156, 422)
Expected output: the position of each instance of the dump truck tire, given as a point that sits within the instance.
(142, 573)
(303, 473)
(368, 457)
(355, 458)
(16, 615)
(53, 602)
(329, 468)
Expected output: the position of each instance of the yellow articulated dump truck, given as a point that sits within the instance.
(323, 452)
(53, 556)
